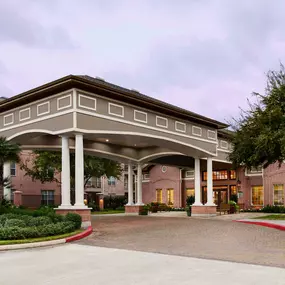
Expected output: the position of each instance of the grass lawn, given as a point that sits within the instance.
(7, 242)
(108, 212)
(272, 217)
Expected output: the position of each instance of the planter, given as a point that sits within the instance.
(232, 209)
(154, 209)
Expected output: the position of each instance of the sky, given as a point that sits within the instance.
(207, 56)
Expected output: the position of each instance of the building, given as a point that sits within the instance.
(163, 146)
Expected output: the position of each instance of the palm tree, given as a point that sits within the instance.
(9, 152)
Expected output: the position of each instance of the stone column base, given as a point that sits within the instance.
(132, 209)
(84, 213)
(204, 211)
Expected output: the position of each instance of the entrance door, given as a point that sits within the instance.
(220, 196)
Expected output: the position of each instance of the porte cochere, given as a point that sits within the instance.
(88, 115)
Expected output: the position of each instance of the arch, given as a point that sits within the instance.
(35, 131)
(147, 158)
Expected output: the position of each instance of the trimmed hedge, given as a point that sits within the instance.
(15, 223)
(75, 218)
(273, 209)
(12, 233)
(39, 221)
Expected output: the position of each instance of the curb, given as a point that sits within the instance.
(81, 235)
(265, 224)
(84, 234)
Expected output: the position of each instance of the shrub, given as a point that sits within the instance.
(13, 233)
(5, 217)
(273, 209)
(114, 202)
(234, 198)
(94, 206)
(56, 218)
(39, 221)
(15, 223)
(75, 218)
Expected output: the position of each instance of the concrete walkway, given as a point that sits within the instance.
(79, 264)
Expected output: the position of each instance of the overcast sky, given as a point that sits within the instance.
(203, 55)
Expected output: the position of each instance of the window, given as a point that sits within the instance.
(190, 174)
(112, 181)
(146, 176)
(159, 195)
(233, 190)
(190, 192)
(47, 197)
(13, 169)
(278, 194)
(233, 175)
(170, 197)
(97, 182)
(257, 195)
(217, 175)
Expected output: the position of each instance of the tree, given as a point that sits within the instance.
(45, 166)
(259, 137)
(9, 152)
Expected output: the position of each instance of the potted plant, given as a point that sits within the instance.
(144, 211)
(189, 202)
(154, 207)
(233, 207)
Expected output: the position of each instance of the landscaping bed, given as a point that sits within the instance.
(272, 217)
(19, 224)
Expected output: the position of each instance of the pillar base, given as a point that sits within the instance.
(133, 209)
(204, 211)
(84, 213)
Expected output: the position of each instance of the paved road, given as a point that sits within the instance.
(203, 238)
(73, 264)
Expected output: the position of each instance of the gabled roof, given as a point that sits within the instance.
(110, 90)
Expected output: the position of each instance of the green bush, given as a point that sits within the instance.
(5, 217)
(75, 218)
(273, 209)
(15, 223)
(190, 200)
(13, 233)
(39, 221)
(114, 202)
(55, 217)
(94, 206)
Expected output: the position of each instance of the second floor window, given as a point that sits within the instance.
(13, 169)
(112, 181)
(217, 175)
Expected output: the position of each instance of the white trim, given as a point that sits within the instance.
(161, 118)
(62, 98)
(254, 173)
(180, 123)
(42, 104)
(24, 110)
(140, 112)
(197, 128)
(115, 114)
(190, 177)
(10, 123)
(212, 132)
(37, 120)
(226, 144)
(223, 150)
(74, 94)
(89, 98)
(161, 154)
(144, 126)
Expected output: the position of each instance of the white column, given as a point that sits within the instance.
(79, 172)
(130, 185)
(136, 189)
(139, 185)
(210, 182)
(65, 173)
(7, 174)
(197, 183)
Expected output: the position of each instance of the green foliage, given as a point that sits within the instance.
(190, 200)
(273, 209)
(259, 137)
(94, 206)
(13, 233)
(144, 211)
(114, 202)
(39, 221)
(234, 198)
(46, 165)
(74, 218)
(15, 223)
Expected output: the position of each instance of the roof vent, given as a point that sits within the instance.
(100, 78)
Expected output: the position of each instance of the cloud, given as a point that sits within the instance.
(18, 26)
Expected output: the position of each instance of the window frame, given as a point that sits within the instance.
(160, 191)
(112, 181)
(47, 200)
(13, 168)
(204, 175)
(282, 193)
(251, 188)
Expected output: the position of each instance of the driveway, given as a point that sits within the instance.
(192, 237)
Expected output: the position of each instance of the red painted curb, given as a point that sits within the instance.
(265, 224)
(80, 236)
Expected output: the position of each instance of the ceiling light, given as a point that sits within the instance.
(135, 144)
(107, 140)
